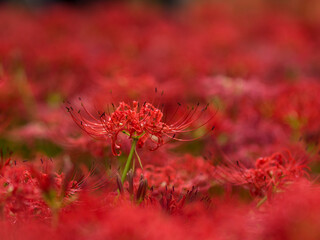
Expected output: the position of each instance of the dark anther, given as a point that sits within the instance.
(130, 180)
(206, 107)
(142, 190)
(141, 177)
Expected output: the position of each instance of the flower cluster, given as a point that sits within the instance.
(269, 175)
(26, 191)
(141, 122)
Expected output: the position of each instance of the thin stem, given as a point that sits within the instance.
(265, 198)
(262, 201)
(138, 157)
(128, 163)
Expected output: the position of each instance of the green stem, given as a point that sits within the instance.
(262, 201)
(128, 163)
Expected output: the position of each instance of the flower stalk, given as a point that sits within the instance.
(129, 159)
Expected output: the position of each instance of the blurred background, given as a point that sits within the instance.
(37, 3)
(250, 66)
(256, 62)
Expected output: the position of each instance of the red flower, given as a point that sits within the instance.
(268, 175)
(139, 122)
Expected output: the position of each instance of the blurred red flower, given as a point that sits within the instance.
(140, 122)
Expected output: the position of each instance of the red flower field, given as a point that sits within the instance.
(136, 120)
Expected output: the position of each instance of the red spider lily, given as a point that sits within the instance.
(182, 173)
(170, 200)
(59, 190)
(268, 176)
(26, 191)
(20, 195)
(139, 121)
